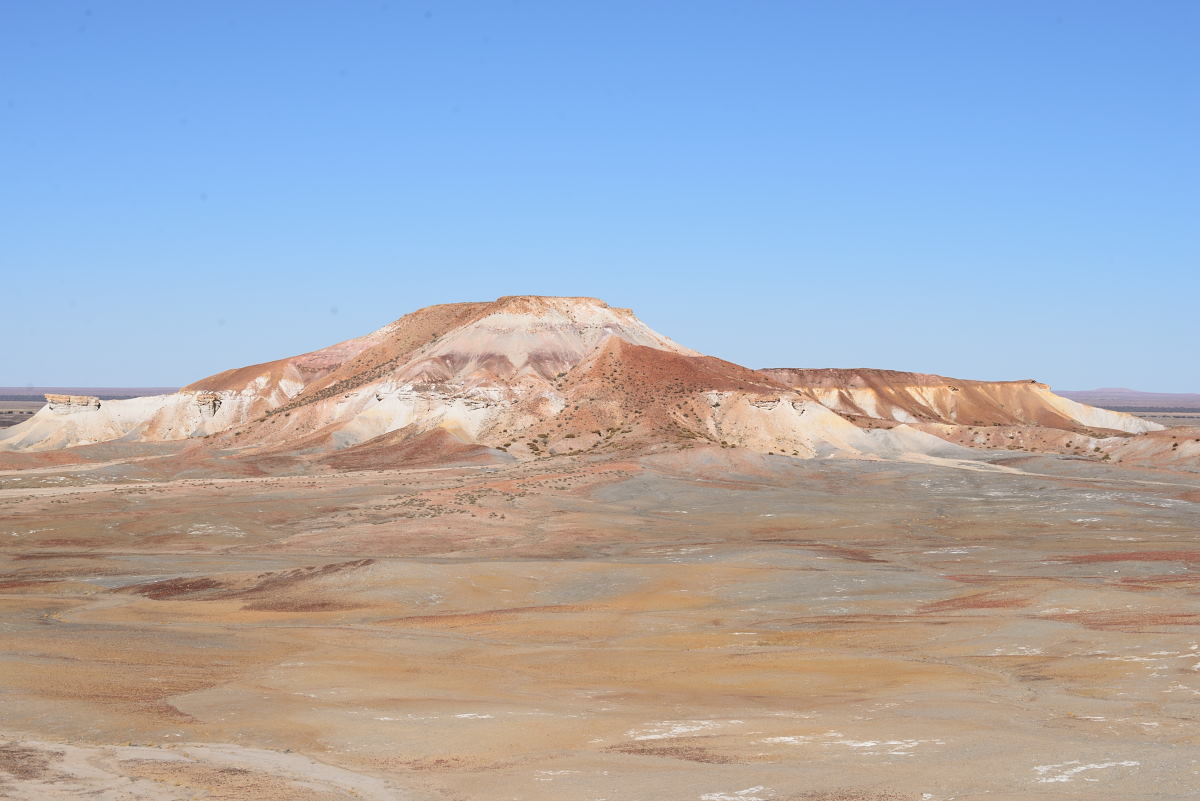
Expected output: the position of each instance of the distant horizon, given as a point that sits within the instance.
(996, 191)
(174, 386)
(33, 390)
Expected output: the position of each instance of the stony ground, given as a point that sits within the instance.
(703, 626)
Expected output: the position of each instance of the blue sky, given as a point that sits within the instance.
(994, 190)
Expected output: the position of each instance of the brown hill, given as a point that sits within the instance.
(543, 376)
(924, 398)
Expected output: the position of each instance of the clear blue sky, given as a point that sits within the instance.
(983, 189)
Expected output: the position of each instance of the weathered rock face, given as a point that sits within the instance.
(70, 404)
(209, 403)
(920, 398)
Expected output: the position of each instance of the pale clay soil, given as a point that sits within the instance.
(700, 626)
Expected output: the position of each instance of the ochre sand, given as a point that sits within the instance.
(708, 626)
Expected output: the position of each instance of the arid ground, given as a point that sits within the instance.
(1189, 418)
(13, 412)
(710, 625)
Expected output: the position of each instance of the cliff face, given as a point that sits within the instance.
(71, 404)
(209, 403)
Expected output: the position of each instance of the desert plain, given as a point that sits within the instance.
(533, 550)
(709, 625)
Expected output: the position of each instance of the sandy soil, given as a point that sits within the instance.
(708, 625)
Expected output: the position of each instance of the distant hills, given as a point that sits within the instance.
(1131, 400)
(103, 393)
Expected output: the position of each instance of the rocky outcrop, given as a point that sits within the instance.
(70, 404)
(209, 403)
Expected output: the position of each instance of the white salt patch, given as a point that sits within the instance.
(677, 728)
(548, 775)
(888, 747)
(1067, 771)
(737, 795)
(866, 747)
